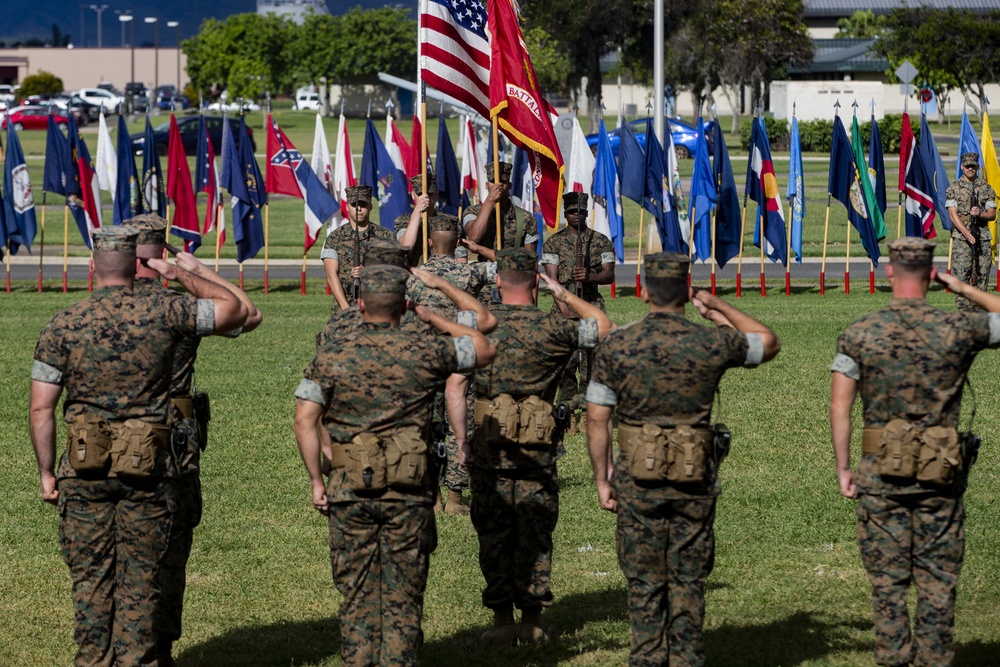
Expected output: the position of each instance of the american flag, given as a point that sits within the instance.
(455, 51)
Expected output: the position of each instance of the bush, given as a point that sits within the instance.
(43, 83)
(816, 136)
(777, 133)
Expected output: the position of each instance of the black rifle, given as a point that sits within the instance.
(357, 252)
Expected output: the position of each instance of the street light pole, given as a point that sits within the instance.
(99, 10)
(120, 13)
(177, 24)
(156, 52)
(83, 27)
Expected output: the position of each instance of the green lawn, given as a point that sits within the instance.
(788, 588)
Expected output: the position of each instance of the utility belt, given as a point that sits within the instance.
(936, 455)
(192, 406)
(128, 449)
(682, 454)
(374, 462)
(529, 422)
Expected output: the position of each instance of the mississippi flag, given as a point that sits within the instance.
(455, 51)
(288, 173)
(206, 176)
(343, 175)
(516, 102)
(321, 164)
(395, 143)
(916, 186)
(473, 171)
(86, 180)
(185, 224)
(762, 187)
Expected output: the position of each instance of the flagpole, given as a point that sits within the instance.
(715, 218)
(218, 235)
(739, 261)
(303, 280)
(65, 247)
(847, 264)
(496, 178)
(267, 213)
(90, 273)
(423, 163)
(693, 217)
(6, 261)
(760, 226)
(41, 250)
(871, 276)
(788, 252)
(826, 235)
(638, 261)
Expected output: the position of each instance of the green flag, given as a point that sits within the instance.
(867, 190)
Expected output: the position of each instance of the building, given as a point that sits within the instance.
(296, 10)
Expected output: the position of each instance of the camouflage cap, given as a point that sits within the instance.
(970, 158)
(516, 259)
(575, 201)
(432, 187)
(443, 223)
(667, 265)
(115, 238)
(358, 194)
(911, 251)
(152, 229)
(386, 252)
(505, 170)
(383, 279)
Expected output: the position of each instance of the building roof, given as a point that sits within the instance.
(843, 55)
(842, 8)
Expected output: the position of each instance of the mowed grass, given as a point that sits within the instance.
(788, 586)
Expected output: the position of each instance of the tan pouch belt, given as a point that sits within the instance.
(627, 434)
(184, 406)
(482, 409)
(339, 458)
(871, 440)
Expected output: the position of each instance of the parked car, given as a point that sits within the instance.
(33, 118)
(101, 97)
(166, 101)
(683, 134)
(8, 94)
(110, 87)
(188, 127)
(226, 104)
(137, 92)
(307, 99)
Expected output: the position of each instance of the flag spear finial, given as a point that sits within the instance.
(855, 105)
(649, 108)
(793, 108)
(369, 112)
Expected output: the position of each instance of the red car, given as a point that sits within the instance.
(34, 118)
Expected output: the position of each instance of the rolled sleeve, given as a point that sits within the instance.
(586, 336)
(310, 391)
(461, 252)
(951, 203)
(468, 219)
(42, 372)
(468, 318)
(550, 258)
(329, 253)
(466, 352)
(600, 394)
(399, 233)
(206, 317)
(994, 319)
(845, 365)
(530, 239)
(991, 204)
(755, 350)
(607, 258)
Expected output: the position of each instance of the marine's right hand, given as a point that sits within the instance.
(164, 268)
(319, 498)
(606, 496)
(847, 487)
(50, 494)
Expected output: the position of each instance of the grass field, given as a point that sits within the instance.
(788, 587)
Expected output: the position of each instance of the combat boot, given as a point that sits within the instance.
(531, 627)
(503, 631)
(454, 504)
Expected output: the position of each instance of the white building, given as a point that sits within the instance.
(296, 10)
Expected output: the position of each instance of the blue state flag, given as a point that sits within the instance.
(703, 198)
(248, 197)
(153, 199)
(934, 168)
(658, 198)
(19, 202)
(607, 194)
(728, 221)
(631, 164)
(764, 191)
(967, 143)
(796, 193)
(844, 186)
(226, 148)
(876, 165)
(388, 183)
(449, 176)
(58, 163)
(127, 202)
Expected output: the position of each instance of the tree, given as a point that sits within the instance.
(42, 83)
(59, 38)
(550, 61)
(862, 24)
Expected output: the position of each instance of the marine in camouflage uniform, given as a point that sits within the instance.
(338, 249)
(112, 354)
(515, 491)
(378, 380)
(665, 370)
(188, 439)
(971, 203)
(421, 202)
(559, 258)
(908, 361)
(479, 220)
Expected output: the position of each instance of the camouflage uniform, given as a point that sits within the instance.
(560, 250)
(339, 245)
(971, 263)
(910, 360)
(380, 544)
(515, 491)
(665, 370)
(508, 221)
(417, 252)
(113, 353)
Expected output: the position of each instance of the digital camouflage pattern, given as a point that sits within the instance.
(971, 263)
(113, 355)
(910, 360)
(340, 245)
(508, 225)
(470, 278)
(515, 491)
(416, 256)
(560, 249)
(665, 370)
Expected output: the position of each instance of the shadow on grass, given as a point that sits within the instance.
(278, 644)
(977, 654)
(792, 640)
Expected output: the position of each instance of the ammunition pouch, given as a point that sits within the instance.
(935, 456)
(940, 458)
(202, 415)
(373, 463)
(406, 458)
(680, 455)
(529, 422)
(88, 443)
(135, 447)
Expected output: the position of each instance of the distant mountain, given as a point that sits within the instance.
(23, 19)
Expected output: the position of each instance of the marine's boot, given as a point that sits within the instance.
(503, 631)
(531, 627)
(454, 504)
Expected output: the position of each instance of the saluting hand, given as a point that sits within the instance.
(559, 293)
(189, 262)
(427, 278)
(164, 268)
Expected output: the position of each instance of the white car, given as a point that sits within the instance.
(101, 97)
(8, 94)
(307, 99)
(248, 105)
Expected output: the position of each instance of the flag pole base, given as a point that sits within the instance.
(65, 282)
(302, 282)
(763, 285)
(90, 277)
(689, 279)
(847, 283)
(998, 277)
(948, 291)
(788, 284)
(7, 281)
(871, 282)
(739, 285)
(266, 285)
(39, 281)
(713, 284)
(328, 290)
(638, 285)
(613, 296)
(822, 282)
